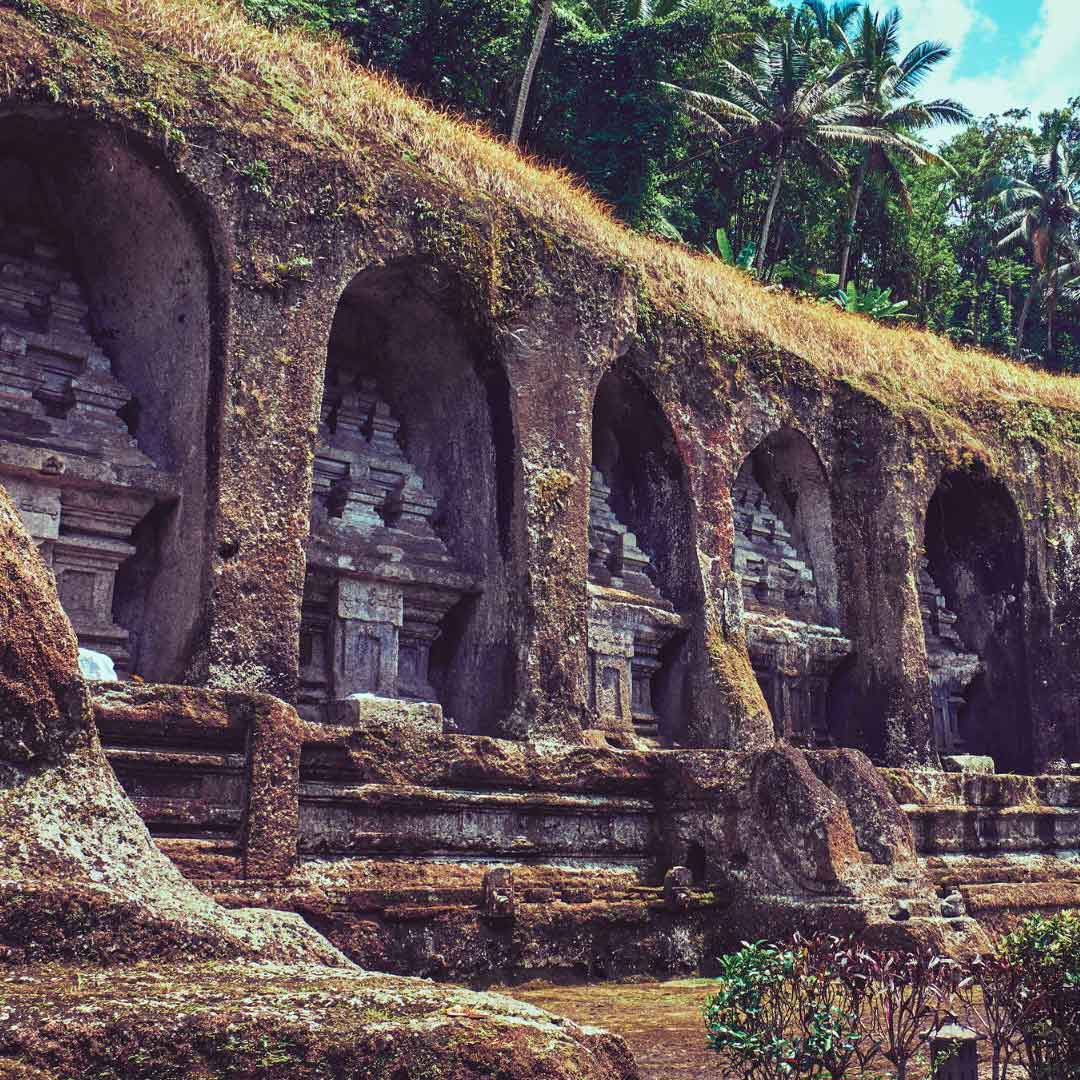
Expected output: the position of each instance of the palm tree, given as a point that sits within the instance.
(1040, 213)
(530, 70)
(788, 108)
(887, 87)
(816, 19)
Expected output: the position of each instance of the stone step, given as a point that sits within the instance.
(990, 791)
(973, 829)
(1003, 903)
(949, 871)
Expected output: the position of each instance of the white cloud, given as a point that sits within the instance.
(1044, 76)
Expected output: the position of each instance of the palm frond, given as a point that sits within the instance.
(919, 63)
(710, 104)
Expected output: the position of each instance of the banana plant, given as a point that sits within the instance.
(744, 260)
(872, 301)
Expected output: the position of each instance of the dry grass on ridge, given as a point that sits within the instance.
(337, 98)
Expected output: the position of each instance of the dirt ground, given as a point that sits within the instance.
(661, 1022)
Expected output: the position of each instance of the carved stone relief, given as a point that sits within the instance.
(67, 459)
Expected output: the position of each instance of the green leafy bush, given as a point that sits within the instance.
(744, 260)
(822, 1008)
(1046, 953)
(872, 301)
(780, 1013)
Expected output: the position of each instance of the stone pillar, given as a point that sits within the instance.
(552, 424)
(365, 639)
(272, 817)
(273, 388)
(884, 697)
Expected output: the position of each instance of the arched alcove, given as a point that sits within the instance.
(643, 574)
(407, 591)
(107, 320)
(971, 585)
(784, 554)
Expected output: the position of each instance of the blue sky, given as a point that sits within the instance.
(1006, 53)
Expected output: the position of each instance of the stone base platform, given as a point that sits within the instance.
(1009, 845)
(476, 858)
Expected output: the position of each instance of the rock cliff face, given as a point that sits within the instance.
(84, 894)
(507, 593)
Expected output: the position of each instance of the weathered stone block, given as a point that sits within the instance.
(499, 893)
(968, 763)
(378, 713)
(677, 882)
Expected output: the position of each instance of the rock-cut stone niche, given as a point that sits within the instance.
(638, 530)
(953, 668)
(411, 572)
(972, 591)
(78, 478)
(380, 580)
(783, 555)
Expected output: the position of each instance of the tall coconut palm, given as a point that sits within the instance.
(887, 87)
(546, 7)
(787, 107)
(1041, 213)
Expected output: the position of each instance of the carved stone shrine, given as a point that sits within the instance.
(630, 622)
(793, 654)
(380, 580)
(67, 459)
(952, 667)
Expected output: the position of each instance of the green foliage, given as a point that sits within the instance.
(314, 14)
(824, 1008)
(871, 301)
(1047, 953)
(779, 1013)
(744, 260)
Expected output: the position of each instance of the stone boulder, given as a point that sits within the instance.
(44, 708)
(80, 877)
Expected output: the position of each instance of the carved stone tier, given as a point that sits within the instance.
(79, 479)
(630, 622)
(775, 578)
(380, 579)
(793, 654)
(793, 662)
(952, 666)
(615, 559)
